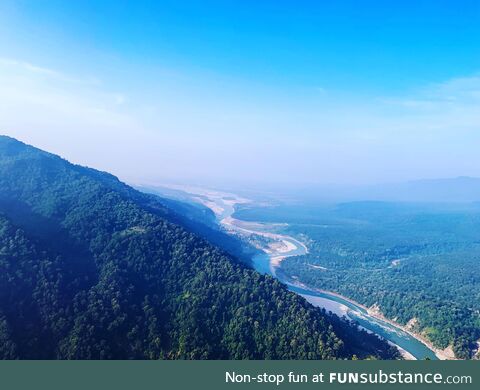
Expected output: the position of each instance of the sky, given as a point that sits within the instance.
(246, 92)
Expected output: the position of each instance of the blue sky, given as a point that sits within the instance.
(270, 91)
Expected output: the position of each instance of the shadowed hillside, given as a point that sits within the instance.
(93, 269)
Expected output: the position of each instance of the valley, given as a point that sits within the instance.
(91, 268)
(281, 246)
(413, 263)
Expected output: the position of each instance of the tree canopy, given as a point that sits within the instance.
(92, 269)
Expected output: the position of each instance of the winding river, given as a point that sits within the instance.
(223, 206)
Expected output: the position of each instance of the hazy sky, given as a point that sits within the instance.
(247, 91)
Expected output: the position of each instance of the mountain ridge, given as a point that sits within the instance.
(93, 269)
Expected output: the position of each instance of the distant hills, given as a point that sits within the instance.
(460, 189)
(449, 190)
(92, 269)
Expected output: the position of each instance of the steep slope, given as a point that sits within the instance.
(93, 269)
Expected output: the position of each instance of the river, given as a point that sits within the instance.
(223, 206)
(340, 306)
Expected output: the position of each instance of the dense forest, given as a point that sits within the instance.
(419, 263)
(92, 269)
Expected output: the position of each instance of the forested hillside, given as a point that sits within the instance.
(419, 264)
(93, 269)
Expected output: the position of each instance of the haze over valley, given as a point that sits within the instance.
(239, 180)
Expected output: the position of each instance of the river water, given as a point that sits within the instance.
(357, 313)
(336, 304)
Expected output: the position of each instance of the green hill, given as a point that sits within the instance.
(93, 269)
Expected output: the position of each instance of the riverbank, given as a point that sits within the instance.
(442, 354)
(374, 312)
(276, 257)
(343, 311)
(278, 246)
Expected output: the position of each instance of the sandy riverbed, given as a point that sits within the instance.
(278, 252)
